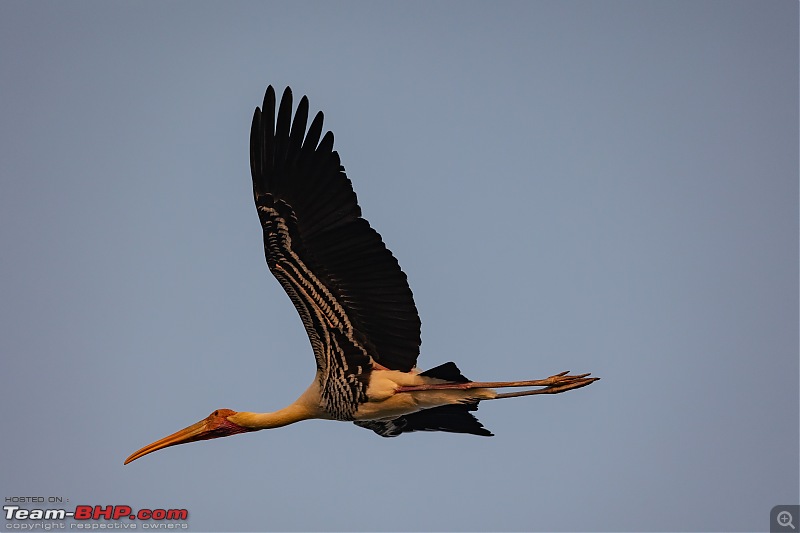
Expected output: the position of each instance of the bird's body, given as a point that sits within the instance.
(352, 297)
(383, 401)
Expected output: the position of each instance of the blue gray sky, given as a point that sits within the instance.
(606, 187)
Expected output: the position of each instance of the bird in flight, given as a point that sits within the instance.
(352, 296)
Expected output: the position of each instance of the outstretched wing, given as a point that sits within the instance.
(351, 295)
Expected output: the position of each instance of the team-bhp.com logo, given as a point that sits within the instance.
(90, 517)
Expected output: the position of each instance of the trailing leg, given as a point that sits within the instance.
(555, 384)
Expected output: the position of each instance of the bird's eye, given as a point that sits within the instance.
(215, 413)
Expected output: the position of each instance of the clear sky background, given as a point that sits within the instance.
(606, 187)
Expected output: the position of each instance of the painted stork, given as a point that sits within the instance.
(354, 301)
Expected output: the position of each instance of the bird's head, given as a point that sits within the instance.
(215, 425)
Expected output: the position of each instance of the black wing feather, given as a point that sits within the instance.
(449, 418)
(344, 282)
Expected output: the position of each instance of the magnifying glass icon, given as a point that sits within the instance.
(784, 519)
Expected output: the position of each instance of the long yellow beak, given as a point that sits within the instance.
(213, 426)
(192, 433)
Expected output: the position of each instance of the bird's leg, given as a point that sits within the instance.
(560, 382)
(580, 381)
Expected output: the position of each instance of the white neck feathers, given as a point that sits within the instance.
(283, 417)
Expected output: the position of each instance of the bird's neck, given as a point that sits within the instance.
(283, 417)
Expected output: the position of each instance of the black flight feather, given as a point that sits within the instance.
(450, 418)
(332, 264)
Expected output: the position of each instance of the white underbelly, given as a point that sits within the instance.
(385, 402)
